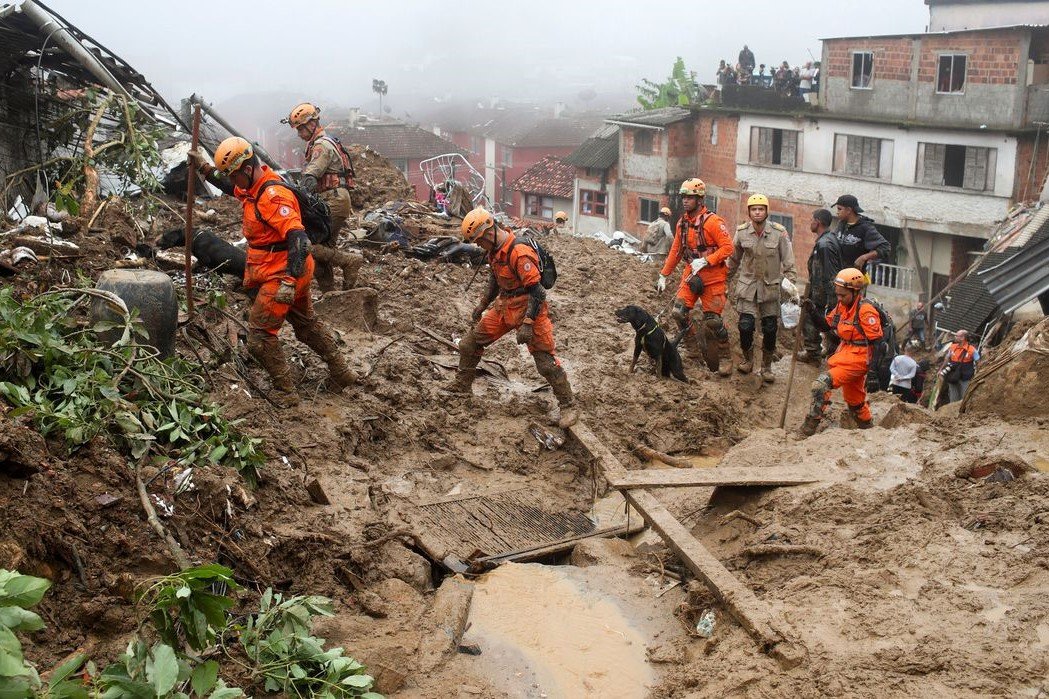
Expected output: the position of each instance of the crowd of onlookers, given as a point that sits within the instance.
(800, 82)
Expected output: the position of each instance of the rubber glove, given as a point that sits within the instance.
(698, 264)
(285, 294)
(525, 332)
(789, 287)
(661, 284)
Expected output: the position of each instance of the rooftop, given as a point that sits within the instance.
(939, 33)
(657, 118)
(398, 141)
(600, 151)
(550, 176)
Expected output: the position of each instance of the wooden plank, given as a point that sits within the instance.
(754, 615)
(725, 475)
(534, 552)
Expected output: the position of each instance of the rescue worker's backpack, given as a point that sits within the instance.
(347, 172)
(316, 216)
(547, 268)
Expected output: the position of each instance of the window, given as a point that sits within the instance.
(863, 156)
(862, 69)
(476, 144)
(508, 157)
(539, 206)
(950, 78)
(593, 203)
(785, 221)
(711, 202)
(649, 210)
(968, 167)
(773, 146)
(714, 132)
(401, 164)
(643, 142)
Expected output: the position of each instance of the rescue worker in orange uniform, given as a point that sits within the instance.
(857, 324)
(702, 240)
(520, 304)
(279, 265)
(328, 174)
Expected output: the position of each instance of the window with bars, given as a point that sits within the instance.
(711, 202)
(508, 157)
(773, 146)
(863, 156)
(539, 206)
(785, 221)
(649, 210)
(946, 165)
(593, 203)
(862, 69)
(950, 78)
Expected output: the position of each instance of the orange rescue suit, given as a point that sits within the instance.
(849, 364)
(515, 268)
(715, 244)
(267, 260)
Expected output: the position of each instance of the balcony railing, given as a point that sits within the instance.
(893, 277)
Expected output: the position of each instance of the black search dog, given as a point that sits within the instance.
(649, 336)
(211, 251)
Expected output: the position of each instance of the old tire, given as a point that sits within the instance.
(149, 292)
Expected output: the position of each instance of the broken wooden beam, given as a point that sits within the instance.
(725, 475)
(756, 617)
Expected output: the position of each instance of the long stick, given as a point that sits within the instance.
(191, 181)
(790, 374)
(649, 453)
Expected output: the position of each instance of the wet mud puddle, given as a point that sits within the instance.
(545, 634)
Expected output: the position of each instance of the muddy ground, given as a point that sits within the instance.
(929, 584)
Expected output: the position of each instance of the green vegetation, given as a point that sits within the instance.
(74, 386)
(680, 89)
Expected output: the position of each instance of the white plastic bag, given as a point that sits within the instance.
(790, 313)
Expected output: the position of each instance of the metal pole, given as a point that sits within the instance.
(259, 150)
(70, 45)
(191, 181)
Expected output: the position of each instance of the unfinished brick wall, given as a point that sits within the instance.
(717, 162)
(1028, 184)
(892, 57)
(993, 57)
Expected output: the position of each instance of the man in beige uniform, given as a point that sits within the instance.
(326, 174)
(659, 237)
(765, 258)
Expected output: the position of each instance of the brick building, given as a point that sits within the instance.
(594, 202)
(544, 189)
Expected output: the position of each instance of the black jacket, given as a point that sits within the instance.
(859, 239)
(824, 263)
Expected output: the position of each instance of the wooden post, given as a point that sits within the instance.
(793, 363)
(191, 181)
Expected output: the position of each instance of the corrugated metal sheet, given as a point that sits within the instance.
(652, 117)
(1024, 274)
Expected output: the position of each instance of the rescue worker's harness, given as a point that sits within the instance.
(855, 322)
(689, 253)
(329, 180)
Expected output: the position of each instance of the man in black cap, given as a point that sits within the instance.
(859, 237)
(824, 264)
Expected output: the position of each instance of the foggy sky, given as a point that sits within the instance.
(329, 51)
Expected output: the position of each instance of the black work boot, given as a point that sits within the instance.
(747, 365)
(321, 340)
(266, 350)
(469, 358)
(567, 412)
(724, 358)
(766, 366)
(809, 427)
